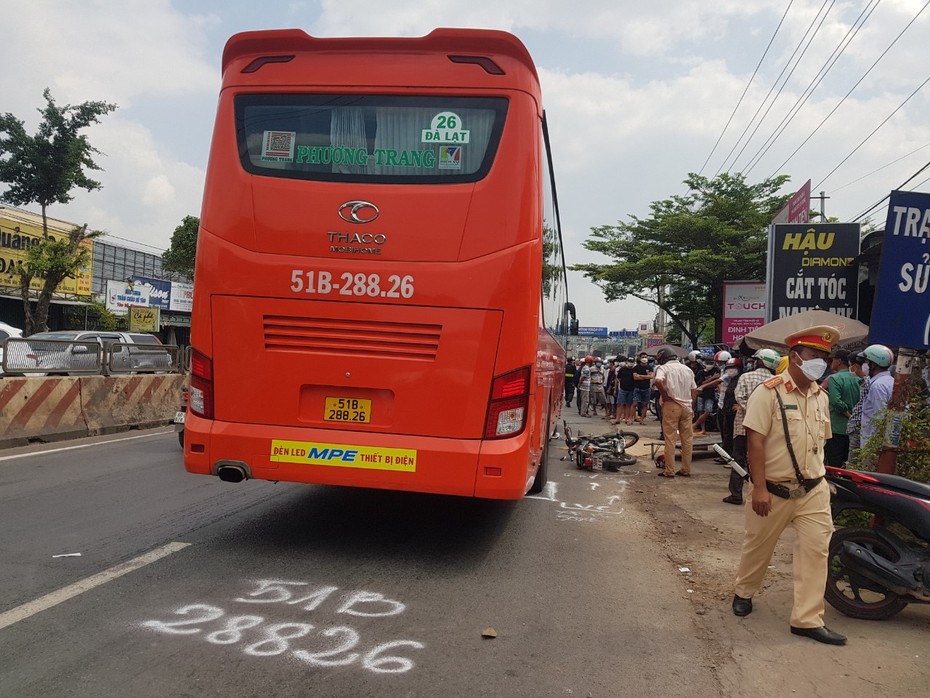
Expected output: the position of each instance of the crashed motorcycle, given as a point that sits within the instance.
(600, 452)
(879, 559)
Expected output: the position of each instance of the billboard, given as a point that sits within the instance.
(122, 296)
(744, 309)
(592, 332)
(901, 313)
(798, 208)
(142, 319)
(19, 232)
(812, 267)
(182, 297)
(159, 291)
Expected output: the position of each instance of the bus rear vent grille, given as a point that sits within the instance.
(363, 338)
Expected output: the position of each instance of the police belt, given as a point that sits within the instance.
(798, 492)
(806, 485)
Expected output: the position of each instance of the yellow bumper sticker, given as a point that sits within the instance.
(344, 456)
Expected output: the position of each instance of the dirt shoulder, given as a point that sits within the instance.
(757, 655)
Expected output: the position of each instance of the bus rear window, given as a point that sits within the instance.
(369, 138)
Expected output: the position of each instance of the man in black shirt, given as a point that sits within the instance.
(642, 380)
(625, 387)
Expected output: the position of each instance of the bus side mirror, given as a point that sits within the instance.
(573, 328)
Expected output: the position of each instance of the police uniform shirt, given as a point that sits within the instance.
(808, 425)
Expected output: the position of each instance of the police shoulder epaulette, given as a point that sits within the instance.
(772, 382)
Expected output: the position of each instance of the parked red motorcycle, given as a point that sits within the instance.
(880, 552)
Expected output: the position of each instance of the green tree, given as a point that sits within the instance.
(179, 258)
(52, 260)
(679, 257)
(43, 169)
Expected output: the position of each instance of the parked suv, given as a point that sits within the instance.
(85, 351)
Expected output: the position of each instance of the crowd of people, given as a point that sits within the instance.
(622, 390)
(782, 418)
(621, 386)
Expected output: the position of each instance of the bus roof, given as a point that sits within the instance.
(495, 59)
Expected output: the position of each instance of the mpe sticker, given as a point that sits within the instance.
(344, 455)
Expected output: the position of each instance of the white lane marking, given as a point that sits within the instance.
(548, 493)
(72, 448)
(46, 602)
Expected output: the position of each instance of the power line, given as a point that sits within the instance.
(746, 89)
(784, 83)
(832, 111)
(874, 131)
(921, 183)
(134, 242)
(893, 162)
(885, 198)
(813, 85)
(771, 89)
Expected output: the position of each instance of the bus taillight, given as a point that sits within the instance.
(201, 391)
(507, 409)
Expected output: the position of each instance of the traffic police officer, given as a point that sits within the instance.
(787, 421)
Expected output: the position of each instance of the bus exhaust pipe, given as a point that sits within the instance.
(231, 473)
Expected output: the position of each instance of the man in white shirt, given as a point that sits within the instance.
(677, 390)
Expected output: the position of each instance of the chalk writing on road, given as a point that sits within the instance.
(604, 509)
(329, 645)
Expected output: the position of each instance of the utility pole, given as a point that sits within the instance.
(823, 198)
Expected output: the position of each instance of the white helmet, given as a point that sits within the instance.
(693, 356)
(721, 357)
(768, 358)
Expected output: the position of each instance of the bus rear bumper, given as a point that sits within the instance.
(470, 468)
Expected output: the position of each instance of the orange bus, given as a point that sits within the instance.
(379, 273)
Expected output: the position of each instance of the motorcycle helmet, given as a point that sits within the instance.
(878, 354)
(664, 355)
(721, 357)
(589, 359)
(769, 358)
(693, 355)
(735, 362)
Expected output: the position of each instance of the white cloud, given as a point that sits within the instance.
(636, 93)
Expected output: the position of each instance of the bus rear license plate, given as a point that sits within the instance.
(347, 409)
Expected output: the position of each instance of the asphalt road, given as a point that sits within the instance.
(266, 589)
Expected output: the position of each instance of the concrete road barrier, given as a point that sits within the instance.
(47, 408)
(56, 408)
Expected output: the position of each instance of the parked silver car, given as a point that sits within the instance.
(89, 351)
(7, 331)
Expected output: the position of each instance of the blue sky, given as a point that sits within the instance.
(637, 94)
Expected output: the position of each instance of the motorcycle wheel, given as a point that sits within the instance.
(181, 438)
(629, 438)
(579, 459)
(852, 594)
(622, 459)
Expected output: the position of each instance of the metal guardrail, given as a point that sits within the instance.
(141, 358)
(29, 357)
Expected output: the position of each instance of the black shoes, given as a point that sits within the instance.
(743, 607)
(821, 634)
(732, 500)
